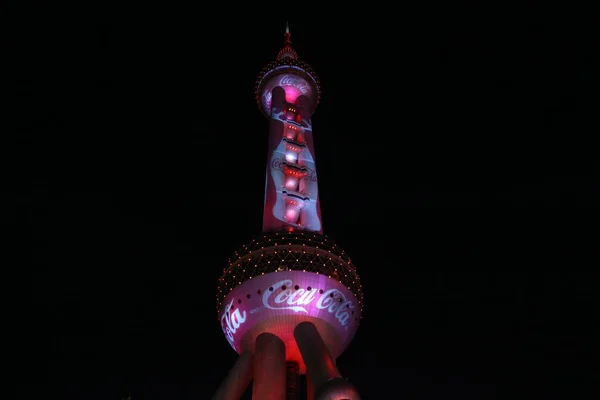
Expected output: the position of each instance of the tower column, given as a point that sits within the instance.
(310, 389)
(269, 368)
(320, 366)
(293, 379)
(237, 380)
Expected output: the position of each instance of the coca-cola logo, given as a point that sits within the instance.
(284, 296)
(276, 164)
(267, 98)
(290, 80)
(231, 321)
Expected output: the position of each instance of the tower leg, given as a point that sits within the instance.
(292, 381)
(237, 380)
(320, 366)
(269, 368)
(310, 389)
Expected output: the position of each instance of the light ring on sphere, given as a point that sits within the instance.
(284, 278)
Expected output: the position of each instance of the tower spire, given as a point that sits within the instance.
(287, 50)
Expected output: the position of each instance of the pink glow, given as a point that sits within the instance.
(289, 297)
(291, 214)
(291, 157)
(293, 86)
(291, 183)
(291, 134)
(291, 94)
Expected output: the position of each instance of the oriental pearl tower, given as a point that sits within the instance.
(289, 302)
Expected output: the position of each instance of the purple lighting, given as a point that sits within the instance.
(289, 302)
(297, 295)
(292, 85)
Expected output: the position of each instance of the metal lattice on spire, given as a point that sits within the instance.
(287, 50)
(287, 59)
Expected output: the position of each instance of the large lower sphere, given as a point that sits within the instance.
(282, 279)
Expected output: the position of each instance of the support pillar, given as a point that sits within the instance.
(269, 368)
(320, 366)
(237, 380)
(310, 389)
(292, 380)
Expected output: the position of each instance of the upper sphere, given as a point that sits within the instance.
(292, 74)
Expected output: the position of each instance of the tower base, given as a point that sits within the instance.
(274, 379)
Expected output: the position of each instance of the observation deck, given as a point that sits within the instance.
(285, 250)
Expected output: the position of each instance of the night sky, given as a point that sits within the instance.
(456, 167)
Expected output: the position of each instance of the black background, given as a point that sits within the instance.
(456, 167)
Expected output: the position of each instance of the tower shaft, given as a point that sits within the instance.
(291, 192)
(269, 368)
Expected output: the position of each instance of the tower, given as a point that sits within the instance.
(289, 302)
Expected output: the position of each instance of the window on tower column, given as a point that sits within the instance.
(292, 114)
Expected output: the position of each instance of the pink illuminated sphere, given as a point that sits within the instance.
(296, 78)
(293, 85)
(284, 278)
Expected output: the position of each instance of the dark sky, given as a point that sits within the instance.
(456, 167)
